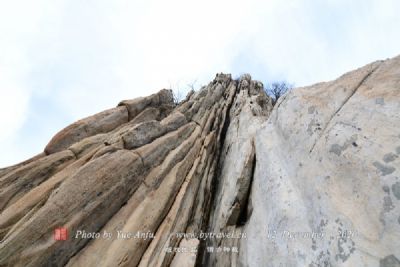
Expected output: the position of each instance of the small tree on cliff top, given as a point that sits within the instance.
(276, 89)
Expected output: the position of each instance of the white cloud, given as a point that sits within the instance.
(310, 41)
(63, 60)
(17, 28)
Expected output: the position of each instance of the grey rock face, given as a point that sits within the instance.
(323, 157)
(221, 179)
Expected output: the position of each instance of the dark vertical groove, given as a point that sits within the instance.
(202, 257)
(246, 211)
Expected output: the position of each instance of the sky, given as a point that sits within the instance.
(64, 60)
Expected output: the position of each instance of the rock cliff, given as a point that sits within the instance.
(221, 179)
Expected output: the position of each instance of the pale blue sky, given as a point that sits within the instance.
(63, 60)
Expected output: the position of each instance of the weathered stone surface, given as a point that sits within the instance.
(322, 164)
(100, 123)
(16, 183)
(237, 162)
(156, 106)
(163, 99)
(167, 182)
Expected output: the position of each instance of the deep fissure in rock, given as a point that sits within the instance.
(245, 207)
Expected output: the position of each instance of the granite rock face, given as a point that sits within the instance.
(221, 179)
(327, 162)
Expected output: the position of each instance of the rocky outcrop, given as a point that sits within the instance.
(222, 179)
(327, 162)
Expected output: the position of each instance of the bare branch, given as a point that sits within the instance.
(277, 89)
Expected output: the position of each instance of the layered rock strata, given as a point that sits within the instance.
(145, 166)
(313, 181)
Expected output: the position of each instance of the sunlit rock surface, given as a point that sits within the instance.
(221, 179)
(328, 161)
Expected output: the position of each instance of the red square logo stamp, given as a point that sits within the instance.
(60, 233)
